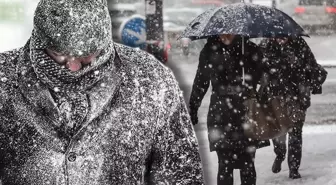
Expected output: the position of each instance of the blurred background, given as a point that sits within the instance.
(318, 17)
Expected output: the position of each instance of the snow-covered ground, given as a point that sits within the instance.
(318, 162)
(319, 158)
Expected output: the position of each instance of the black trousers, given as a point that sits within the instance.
(229, 160)
(294, 147)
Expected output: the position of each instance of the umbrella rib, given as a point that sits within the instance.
(210, 17)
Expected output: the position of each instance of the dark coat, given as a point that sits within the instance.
(138, 130)
(293, 70)
(222, 66)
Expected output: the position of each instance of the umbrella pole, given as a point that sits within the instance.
(243, 69)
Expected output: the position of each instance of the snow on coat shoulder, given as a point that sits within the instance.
(174, 120)
(7, 73)
(146, 68)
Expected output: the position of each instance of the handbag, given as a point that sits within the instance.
(267, 119)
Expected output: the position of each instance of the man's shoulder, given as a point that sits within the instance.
(138, 59)
(8, 61)
(142, 66)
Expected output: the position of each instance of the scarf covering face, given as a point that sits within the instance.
(77, 28)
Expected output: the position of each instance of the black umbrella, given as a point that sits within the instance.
(243, 19)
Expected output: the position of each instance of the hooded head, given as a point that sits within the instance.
(77, 29)
(73, 27)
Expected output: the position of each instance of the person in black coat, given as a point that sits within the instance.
(233, 76)
(294, 73)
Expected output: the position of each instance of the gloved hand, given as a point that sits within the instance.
(305, 102)
(194, 117)
(317, 90)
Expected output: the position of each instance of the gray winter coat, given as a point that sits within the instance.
(137, 131)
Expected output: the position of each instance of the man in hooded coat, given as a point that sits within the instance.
(76, 108)
(295, 74)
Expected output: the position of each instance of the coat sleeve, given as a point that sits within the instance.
(201, 83)
(175, 156)
(315, 73)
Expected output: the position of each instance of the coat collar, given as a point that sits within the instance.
(39, 97)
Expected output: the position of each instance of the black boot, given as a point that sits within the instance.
(280, 153)
(294, 174)
(276, 168)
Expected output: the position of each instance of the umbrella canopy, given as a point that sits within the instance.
(243, 19)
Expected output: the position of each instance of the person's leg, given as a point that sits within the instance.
(280, 152)
(295, 150)
(248, 175)
(225, 168)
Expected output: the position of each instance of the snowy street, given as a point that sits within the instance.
(319, 151)
(318, 162)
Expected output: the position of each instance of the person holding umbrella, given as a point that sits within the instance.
(233, 66)
(233, 75)
(297, 75)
